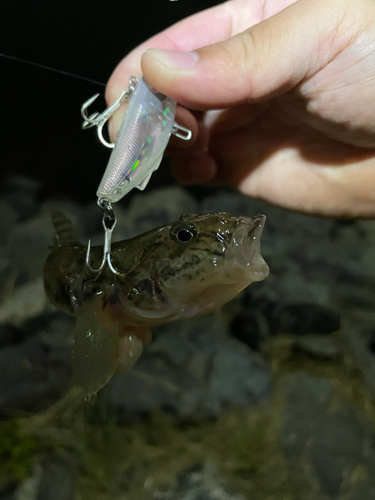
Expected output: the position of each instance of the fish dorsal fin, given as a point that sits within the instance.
(64, 236)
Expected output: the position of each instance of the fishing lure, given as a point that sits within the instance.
(141, 140)
(137, 152)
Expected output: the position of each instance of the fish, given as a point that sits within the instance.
(189, 267)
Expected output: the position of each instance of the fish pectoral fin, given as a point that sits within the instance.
(141, 186)
(95, 350)
(131, 346)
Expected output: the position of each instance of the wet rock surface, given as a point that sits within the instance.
(200, 482)
(302, 319)
(58, 481)
(320, 295)
(326, 437)
(317, 347)
(306, 399)
(198, 373)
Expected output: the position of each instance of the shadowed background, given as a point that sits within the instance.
(41, 132)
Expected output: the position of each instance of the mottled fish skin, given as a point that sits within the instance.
(192, 266)
(162, 279)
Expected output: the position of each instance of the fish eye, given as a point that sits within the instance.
(183, 233)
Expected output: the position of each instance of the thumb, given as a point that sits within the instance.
(267, 59)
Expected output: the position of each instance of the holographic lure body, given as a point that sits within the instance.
(141, 140)
(140, 143)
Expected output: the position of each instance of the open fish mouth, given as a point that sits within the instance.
(244, 250)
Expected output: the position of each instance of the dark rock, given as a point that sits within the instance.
(329, 444)
(27, 301)
(317, 347)
(357, 330)
(9, 492)
(58, 480)
(8, 275)
(28, 489)
(157, 383)
(200, 482)
(8, 219)
(21, 193)
(239, 376)
(250, 328)
(306, 398)
(254, 298)
(8, 335)
(363, 488)
(359, 298)
(340, 441)
(340, 226)
(193, 369)
(28, 246)
(301, 319)
(371, 341)
(34, 373)
(56, 323)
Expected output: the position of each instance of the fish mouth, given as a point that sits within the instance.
(244, 250)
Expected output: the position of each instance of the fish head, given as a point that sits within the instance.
(212, 258)
(195, 265)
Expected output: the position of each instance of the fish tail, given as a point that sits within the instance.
(65, 236)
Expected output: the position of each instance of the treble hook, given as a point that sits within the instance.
(109, 222)
(100, 119)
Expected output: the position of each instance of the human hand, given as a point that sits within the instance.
(296, 85)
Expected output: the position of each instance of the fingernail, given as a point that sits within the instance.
(174, 59)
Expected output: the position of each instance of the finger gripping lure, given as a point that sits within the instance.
(141, 140)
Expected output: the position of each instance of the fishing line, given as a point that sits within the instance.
(49, 68)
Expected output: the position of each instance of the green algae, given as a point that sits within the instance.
(17, 452)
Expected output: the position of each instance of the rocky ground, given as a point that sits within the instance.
(270, 398)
